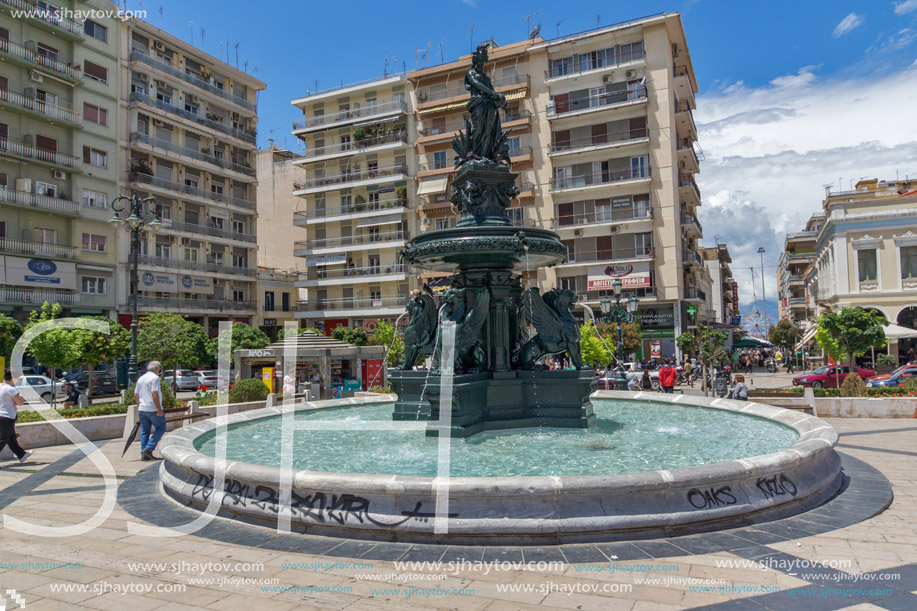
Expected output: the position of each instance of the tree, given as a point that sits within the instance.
(356, 337)
(244, 337)
(93, 347)
(282, 332)
(384, 336)
(54, 348)
(630, 333)
(707, 343)
(850, 333)
(10, 332)
(783, 334)
(173, 341)
(593, 350)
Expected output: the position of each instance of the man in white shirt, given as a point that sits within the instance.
(147, 395)
(10, 400)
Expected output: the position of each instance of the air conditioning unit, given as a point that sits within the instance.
(235, 116)
(36, 76)
(614, 229)
(160, 84)
(631, 73)
(195, 99)
(58, 175)
(28, 139)
(158, 45)
(582, 221)
(157, 122)
(608, 78)
(29, 92)
(185, 241)
(421, 97)
(577, 232)
(144, 77)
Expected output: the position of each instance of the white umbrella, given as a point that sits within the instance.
(893, 331)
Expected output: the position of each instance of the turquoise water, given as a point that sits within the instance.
(630, 437)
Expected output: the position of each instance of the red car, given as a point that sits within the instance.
(831, 376)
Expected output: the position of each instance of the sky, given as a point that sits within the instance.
(793, 95)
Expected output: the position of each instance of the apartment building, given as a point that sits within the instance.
(798, 256)
(724, 291)
(189, 141)
(59, 92)
(358, 195)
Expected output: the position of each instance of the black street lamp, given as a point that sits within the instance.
(135, 224)
(618, 313)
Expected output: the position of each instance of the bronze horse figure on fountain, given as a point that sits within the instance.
(558, 331)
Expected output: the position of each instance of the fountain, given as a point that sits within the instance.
(497, 382)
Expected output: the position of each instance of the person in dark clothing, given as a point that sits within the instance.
(73, 396)
(646, 383)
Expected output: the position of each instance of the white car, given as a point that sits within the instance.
(41, 385)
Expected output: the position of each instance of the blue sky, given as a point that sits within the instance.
(793, 95)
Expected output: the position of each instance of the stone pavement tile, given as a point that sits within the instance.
(489, 590)
(643, 605)
(502, 605)
(46, 591)
(583, 554)
(24, 581)
(743, 575)
(86, 574)
(376, 604)
(322, 600)
(292, 577)
(188, 594)
(623, 551)
(241, 602)
(49, 604)
(116, 601)
(174, 606)
(587, 602)
(423, 594)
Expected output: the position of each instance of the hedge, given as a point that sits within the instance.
(251, 389)
(102, 410)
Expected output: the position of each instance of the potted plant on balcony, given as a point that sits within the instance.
(359, 203)
(141, 166)
(402, 194)
(359, 134)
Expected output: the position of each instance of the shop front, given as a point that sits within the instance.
(657, 324)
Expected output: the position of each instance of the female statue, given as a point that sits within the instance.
(487, 140)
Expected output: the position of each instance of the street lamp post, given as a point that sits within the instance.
(618, 313)
(135, 224)
(763, 294)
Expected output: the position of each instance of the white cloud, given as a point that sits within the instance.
(802, 78)
(769, 150)
(847, 25)
(903, 8)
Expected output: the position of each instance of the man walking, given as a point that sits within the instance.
(667, 377)
(147, 395)
(10, 400)
(789, 362)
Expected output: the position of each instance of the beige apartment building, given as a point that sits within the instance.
(188, 139)
(358, 199)
(798, 256)
(723, 298)
(59, 94)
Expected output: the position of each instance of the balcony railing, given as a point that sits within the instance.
(34, 200)
(247, 136)
(610, 254)
(193, 153)
(359, 145)
(16, 295)
(577, 67)
(622, 137)
(338, 273)
(340, 179)
(319, 213)
(353, 113)
(598, 178)
(694, 293)
(519, 151)
(28, 247)
(190, 304)
(595, 101)
(218, 268)
(690, 219)
(162, 183)
(190, 78)
(344, 303)
(796, 300)
(354, 240)
(51, 62)
(794, 278)
(691, 256)
(588, 218)
(49, 14)
(54, 111)
(454, 126)
(210, 230)
(645, 292)
(682, 105)
(17, 147)
(688, 181)
(451, 92)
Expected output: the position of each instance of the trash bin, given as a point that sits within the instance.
(719, 386)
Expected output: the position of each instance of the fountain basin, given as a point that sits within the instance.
(521, 510)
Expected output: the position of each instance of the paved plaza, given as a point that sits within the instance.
(831, 559)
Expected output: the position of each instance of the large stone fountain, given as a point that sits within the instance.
(498, 383)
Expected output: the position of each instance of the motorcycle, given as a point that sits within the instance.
(771, 364)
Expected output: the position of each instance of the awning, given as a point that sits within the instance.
(429, 186)
(379, 220)
(807, 337)
(442, 107)
(516, 95)
(893, 331)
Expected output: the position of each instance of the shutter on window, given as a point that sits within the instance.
(95, 70)
(87, 156)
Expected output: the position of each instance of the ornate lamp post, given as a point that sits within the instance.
(618, 313)
(136, 224)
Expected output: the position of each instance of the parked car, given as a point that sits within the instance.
(210, 377)
(831, 376)
(102, 383)
(185, 379)
(896, 378)
(41, 385)
(607, 381)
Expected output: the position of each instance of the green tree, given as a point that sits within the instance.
(54, 348)
(783, 335)
(630, 333)
(850, 333)
(173, 341)
(10, 332)
(594, 351)
(282, 332)
(384, 336)
(244, 337)
(93, 347)
(707, 344)
(356, 337)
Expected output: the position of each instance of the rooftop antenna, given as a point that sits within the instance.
(827, 187)
(598, 20)
(385, 70)
(471, 38)
(191, 23)
(202, 38)
(245, 66)
(557, 25)
(528, 21)
(237, 56)
(162, 17)
(535, 32)
(441, 41)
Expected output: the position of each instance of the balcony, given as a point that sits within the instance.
(795, 279)
(217, 268)
(695, 294)
(320, 215)
(354, 240)
(190, 78)
(320, 183)
(49, 15)
(350, 148)
(12, 295)
(246, 136)
(687, 182)
(224, 164)
(512, 82)
(208, 230)
(353, 303)
(41, 202)
(690, 257)
(604, 100)
(599, 178)
(430, 133)
(23, 150)
(181, 189)
(592, 218)
(692, 226)
(28, 247)
(576, 68)
(195, 304)
(593, 143)
(345, 275)
(51, 62)
(34, 105)
(391, 107)
(610, 254)
(596, 296)
(796, 301)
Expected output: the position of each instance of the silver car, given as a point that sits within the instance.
(185, 379)
(41, 385)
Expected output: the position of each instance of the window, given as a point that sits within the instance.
(562, 66)
(514, 145)
(268, 301)
(239, 260)
(45, 188)
(285, 302)
(442, 223)
(439, 160)
(95, 114)
(192, 108)
(640, 166)
(48, 52)
(163, 97)
(163, 251)
(238, 226)
(94, 286)
(95, 157)
(191, 254)
(44, 235)
(374, 234)
(99, 32)
(908, 262)
(866, 263)
(94, 243)
(217, 258)
(95, 71)
(238, 295)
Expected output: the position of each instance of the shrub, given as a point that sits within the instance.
(886, 360)
(248, 390)
(166, 398)
(853, 386)
(381, 389)
(910, 385)
(101, 410)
